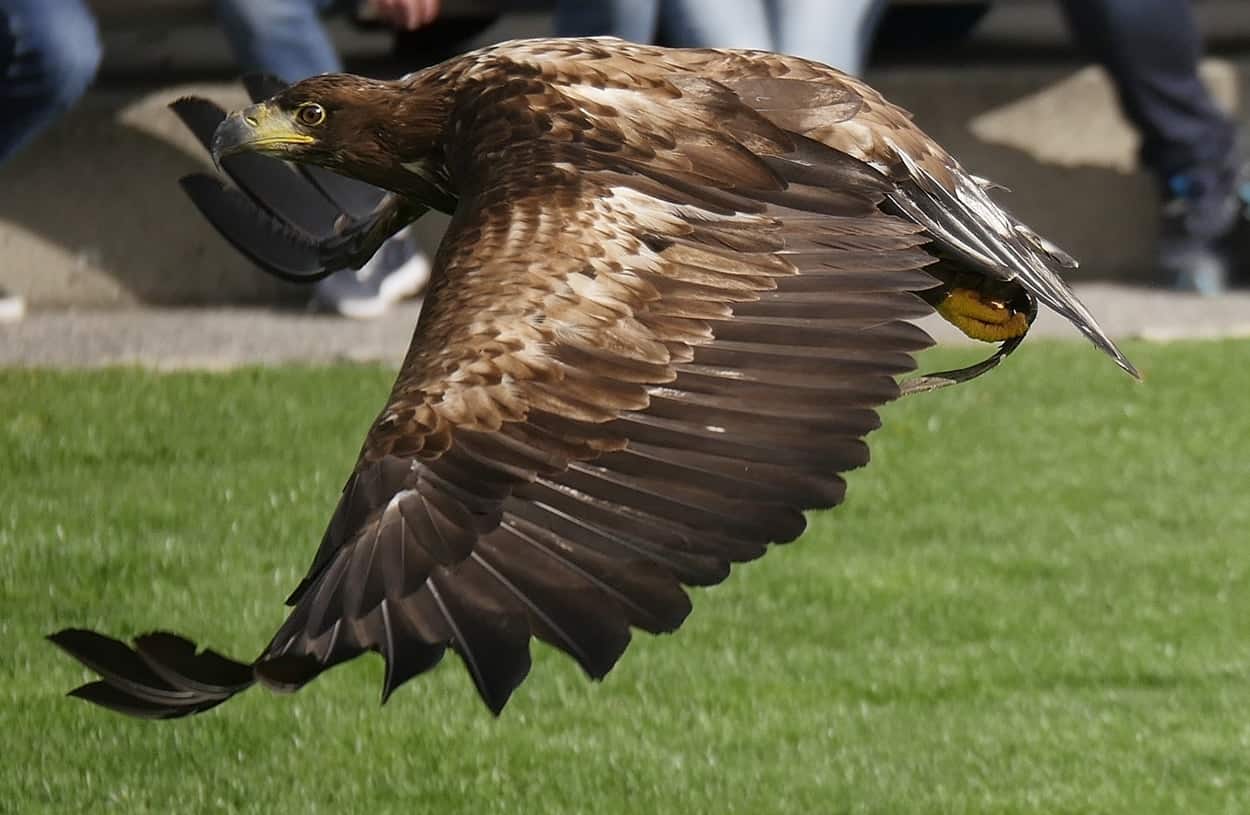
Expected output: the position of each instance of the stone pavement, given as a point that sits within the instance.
(220, 338)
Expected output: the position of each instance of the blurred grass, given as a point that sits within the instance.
(1033, 601)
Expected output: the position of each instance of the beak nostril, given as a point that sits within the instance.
(251, 121)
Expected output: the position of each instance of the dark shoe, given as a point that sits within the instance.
(1204, 240)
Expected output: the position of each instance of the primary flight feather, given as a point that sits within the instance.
(676, 287)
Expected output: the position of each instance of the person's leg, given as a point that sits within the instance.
(715, 24)
(1152, 49)
(633, 20)
(837, 33)
(49, 53)
(281, 37)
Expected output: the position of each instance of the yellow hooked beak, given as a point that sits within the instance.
(259, 128)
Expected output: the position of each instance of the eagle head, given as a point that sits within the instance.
(364, 128)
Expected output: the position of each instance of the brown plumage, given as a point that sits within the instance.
(676, 287)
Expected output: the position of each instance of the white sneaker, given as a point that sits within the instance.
(398, 270)
(12, 307)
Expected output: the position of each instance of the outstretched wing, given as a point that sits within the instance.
(631, 374)
(970, 231)
(644, 355)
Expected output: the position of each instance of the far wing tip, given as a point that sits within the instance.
(1127, 366)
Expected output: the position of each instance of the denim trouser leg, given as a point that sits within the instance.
(717, 24)
(836, 32)
(686, 23)
(280, 37)
(633, 20)
(1151, 49)
(49, 53)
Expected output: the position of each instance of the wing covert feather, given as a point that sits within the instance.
(633, 368)
(659, 327)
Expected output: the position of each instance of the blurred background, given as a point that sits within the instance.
(91, 217)
(1034, 600)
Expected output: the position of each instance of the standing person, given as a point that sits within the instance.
(49, 54)
(1152, 50)
(287, 39)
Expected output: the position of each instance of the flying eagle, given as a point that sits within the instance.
(676, 287)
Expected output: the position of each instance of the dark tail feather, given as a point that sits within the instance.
(160, 677)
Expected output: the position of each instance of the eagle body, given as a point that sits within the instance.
(676, 287)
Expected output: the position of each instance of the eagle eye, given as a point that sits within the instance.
(310, 114)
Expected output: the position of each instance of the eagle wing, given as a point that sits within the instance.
(633, 369)
(660, 327)
(970, 231)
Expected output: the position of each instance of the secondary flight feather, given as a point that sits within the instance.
(676, 288)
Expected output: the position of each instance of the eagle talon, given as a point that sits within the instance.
(981, 318)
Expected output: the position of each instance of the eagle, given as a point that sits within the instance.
(676, 287)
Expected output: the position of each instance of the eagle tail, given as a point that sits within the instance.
(160, 676)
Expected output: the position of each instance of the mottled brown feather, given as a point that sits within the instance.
(638, 272)
(675, 289)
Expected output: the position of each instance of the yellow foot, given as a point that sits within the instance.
(982, 319)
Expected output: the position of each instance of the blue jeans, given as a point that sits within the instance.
(280, 37)
(1152, 48)
(835, 32)
(686, 23)
(49, 53)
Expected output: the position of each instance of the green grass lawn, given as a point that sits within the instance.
(1034, 600)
